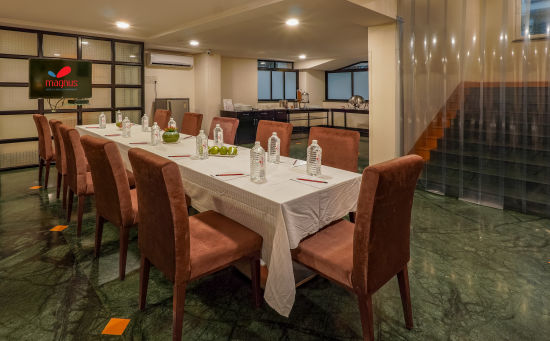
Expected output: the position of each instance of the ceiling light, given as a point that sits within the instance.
(84, 42)
(302, 56)
(56, 55)
(132, 56)
(292, 22)
(193, 43)
(122, 24)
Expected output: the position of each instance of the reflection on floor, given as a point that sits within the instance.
(476, 273)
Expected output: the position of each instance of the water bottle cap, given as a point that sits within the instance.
(314, 142)
(217, 125)
(201, 131)
(257, 143)
(274, 133)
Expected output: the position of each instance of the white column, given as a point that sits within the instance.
(208, 91)
(384, 118)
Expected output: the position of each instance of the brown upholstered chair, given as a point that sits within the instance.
(114, 200)
(60, 163)
(229, 126)
(340, 147)
(162, 117)
(191, 123)
(283, 130)
(184, 248)
(364, 256)
(45, 149)
(79, 179)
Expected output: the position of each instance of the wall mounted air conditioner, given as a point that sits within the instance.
(169, 60)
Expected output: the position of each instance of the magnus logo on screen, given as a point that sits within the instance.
(61, 83)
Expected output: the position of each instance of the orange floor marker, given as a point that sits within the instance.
(35, 187)
(59, 228)
(115, 326)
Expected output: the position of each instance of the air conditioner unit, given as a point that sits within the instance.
(170, 60)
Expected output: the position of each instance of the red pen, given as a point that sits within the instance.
(230, 174)
(112, 135)
(138, 142)
(321, 182)
(188, 137)
(179, 155)
(91, 127)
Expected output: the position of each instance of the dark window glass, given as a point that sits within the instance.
(535, 17)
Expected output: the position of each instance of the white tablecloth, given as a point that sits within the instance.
(281, 210)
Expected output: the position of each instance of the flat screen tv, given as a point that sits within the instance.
(59, 78)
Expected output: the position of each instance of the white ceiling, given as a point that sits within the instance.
(335, 30)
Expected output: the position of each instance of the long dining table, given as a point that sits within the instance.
(283, 210)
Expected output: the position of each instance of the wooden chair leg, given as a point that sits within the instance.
(81, 202)
(178, 310)
(48, 163)
(404, 289)
(352, 217)
(65, 186)
(124, 236)
(58, 187)
(40, 166)
(70, 205)
(143, 281)
(255, 278)
(365, 308)
(99, 221)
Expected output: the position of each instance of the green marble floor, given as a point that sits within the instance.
(476, 273)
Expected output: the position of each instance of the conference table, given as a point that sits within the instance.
(283, 210)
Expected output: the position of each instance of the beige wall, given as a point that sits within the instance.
(171, 83)
(208, 87)
(239, 79)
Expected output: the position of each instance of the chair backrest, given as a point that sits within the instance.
(162, 116)
(112, 193)
(163, 221)
(60, 162)
(191, 123)
(283, 130)
(340, 147)
(44, 136)
(381, 241)
(229, 126)
(75, 159)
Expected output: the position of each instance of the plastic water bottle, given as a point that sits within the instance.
(102, 121)
(257, 163)
(202, 145)
(172, 123)
(274, 148)
(155, 134)
(144, 122)
(126, 127)
(218, 136)
(118, 117)
(314, 153)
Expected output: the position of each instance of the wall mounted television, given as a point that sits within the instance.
(59, 78)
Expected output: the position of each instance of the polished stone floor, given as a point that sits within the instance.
(476, 273)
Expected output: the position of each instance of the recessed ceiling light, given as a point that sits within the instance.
(56, 55)
(132, 56)
(193, 43)
(292, 22)
(84, 42)
(122, 24)
(302, 56)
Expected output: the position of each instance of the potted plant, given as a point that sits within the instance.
(170, 135)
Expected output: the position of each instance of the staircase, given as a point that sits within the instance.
(502, 155)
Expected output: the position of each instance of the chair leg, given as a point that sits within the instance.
(143, 281)
(352, 217)
(255, 277)
(81, 201)
(365, 308)
(65, 185)
(178, 310)
(404, 289)
(124, 236)
(99, 221)
(48, 163)
(40, 166)
(58, 186)
(70, 205)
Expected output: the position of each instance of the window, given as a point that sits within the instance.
(276, 80)
(348, 81)
(535, 18)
